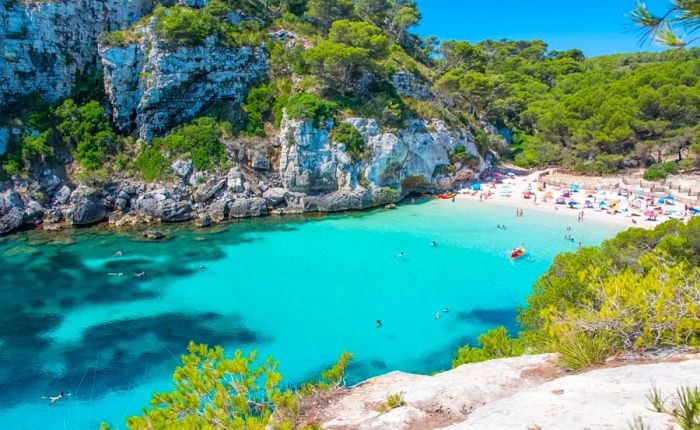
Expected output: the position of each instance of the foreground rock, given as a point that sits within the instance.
(528, 392)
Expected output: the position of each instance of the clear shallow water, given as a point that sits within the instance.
(302, 289)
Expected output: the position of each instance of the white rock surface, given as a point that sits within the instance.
(526, 392)
(599, 399)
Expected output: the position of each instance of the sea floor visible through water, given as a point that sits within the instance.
(302, 289)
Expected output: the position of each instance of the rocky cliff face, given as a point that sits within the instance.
(399, 162)
(46, 43)
(152, 88)
(528, 392)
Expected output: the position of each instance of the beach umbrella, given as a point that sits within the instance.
(560, 200)
(668, 197)
(649, 213)
(573, 203)
(476, 186)
(603, 203)
(695, 210)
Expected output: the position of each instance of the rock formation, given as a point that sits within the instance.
(526, 392)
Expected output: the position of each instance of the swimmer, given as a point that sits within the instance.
(437, 316)
(140, 274)
(119, 253)
(54, 399)
(201, 267)
(400, 255)
(444, 311)
(379, 323)
(498, 226)
(116, 273)
(433, 244)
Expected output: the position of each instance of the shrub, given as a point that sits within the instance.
(495, 343)
(258, 106)
(310, 107)
(656, 171)
(86, 129)
(349, 136)
(392, 401)
(581, 350)
(150, 162)
(181, 25)
(685, 408)
(199, 139)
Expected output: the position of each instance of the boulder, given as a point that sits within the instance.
(12, 220)
(172, 211)
(274, 196)
(207, 190)
(182, 168)
(248, 207)
(86, 210)
(234, 180)
(33, 212)
(260, 163)
(218, 210)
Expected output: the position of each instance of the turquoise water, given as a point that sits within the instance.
(301, 289)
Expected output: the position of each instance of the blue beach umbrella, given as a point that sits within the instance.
(476, 186)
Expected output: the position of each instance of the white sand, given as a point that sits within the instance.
(516, 186)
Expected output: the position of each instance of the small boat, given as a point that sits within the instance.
(447, 196)
(517, 252)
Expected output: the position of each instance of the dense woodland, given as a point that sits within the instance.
(530, 105)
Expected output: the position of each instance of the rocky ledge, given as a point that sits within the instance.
(301, 170)
(527, 392)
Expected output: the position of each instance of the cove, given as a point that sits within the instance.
(302, 289)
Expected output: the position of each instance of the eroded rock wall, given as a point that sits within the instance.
(46, 43)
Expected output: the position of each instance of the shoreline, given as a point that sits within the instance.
(510, 193)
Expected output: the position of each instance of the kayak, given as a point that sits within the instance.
(447, 196)
(517, 252)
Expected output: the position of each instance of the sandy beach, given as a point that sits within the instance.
(625, 210)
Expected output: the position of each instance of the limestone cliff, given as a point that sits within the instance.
(528, 392)
(152, 88)
(46, 43)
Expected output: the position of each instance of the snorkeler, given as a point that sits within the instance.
(54, 399)
(379, 323)
(401, 254)
(433, 244)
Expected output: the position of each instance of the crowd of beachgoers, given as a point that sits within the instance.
(620, 205)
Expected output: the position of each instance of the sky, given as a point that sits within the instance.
(597, 27)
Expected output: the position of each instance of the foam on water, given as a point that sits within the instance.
(301, 289)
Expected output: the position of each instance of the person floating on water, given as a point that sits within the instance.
(437, 316)
(140, 274)
(400, 255)
(433, 244)
(444, 311)
(119, 253)
(379, 323)
(56, 398)
(201, 267)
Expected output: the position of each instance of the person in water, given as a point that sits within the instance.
(140, 274)
(400, 255)
(444, 311)
(54, 399)
(379, 323)
(437, 316)
(433, 244)
(119, 253)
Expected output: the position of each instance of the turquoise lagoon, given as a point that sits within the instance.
(300, 289)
